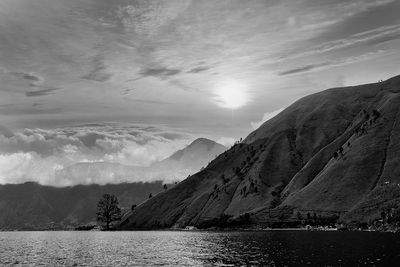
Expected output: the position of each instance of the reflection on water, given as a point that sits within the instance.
(275, 248)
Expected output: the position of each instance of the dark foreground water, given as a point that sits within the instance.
(174, 248)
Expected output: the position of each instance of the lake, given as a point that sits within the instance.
(187, 248)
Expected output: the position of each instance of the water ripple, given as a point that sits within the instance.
(174, 248)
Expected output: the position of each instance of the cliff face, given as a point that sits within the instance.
(328, 153)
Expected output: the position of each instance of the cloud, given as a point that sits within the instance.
(267, 116)
(27, 76)
(159, 72)
(301, 69)
(5, 131)
(180, 84)
(198, 69)
(370, 36)
(147, 17)
(53, 156)
(172, 136)
(42, 92)
(98, 72)
(19, 167)
(128, 90)
(384, 39)
(226, 141)
(336, 63)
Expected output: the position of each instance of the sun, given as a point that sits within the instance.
(231, 94)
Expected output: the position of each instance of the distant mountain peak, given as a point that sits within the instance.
(197, 153)
(195, 147)
(204, 141)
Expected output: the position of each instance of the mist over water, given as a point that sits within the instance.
(176, 248)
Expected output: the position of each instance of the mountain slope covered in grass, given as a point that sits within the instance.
(328, 154)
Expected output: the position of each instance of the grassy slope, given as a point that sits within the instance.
(288, 162)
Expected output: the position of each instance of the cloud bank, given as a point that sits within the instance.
(266, 117)
(91, 153)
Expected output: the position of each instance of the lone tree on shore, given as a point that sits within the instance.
(108, 210)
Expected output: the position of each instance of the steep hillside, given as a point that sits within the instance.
(327, 153)
(31, 206)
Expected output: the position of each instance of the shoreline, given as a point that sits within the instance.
(211, 230)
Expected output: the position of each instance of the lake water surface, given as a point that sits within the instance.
(181, 248)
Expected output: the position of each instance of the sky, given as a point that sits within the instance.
(129, 82)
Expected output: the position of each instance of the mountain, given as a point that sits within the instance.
(31, 206)
(194, 156)
(176, 167)
(335, 153)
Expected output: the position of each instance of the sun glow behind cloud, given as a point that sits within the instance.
(231, 94)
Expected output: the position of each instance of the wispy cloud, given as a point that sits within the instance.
(42, 92)
(302, 69)
(146, 18)
(199, 69)
(336, 63)
(385, 39)
(375, 35)
(267, 116)
(160, 72)
(226, 141)
(27, 76)
(98, 72)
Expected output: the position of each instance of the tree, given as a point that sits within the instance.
(108, 210)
